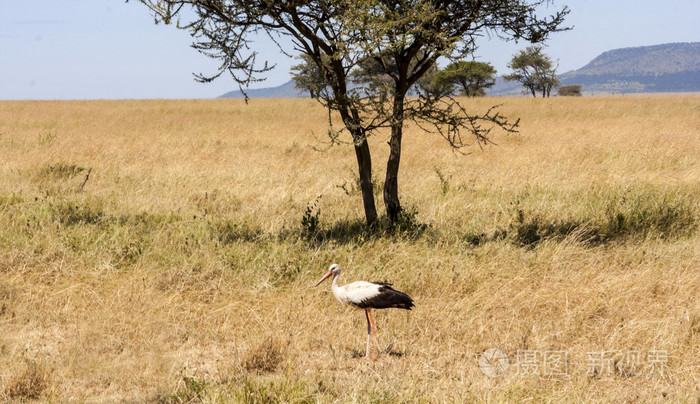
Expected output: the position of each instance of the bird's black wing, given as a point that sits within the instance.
(387, 297)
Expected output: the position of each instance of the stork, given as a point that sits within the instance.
(367, 296)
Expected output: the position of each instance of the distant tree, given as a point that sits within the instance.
(534, 70)
(430, 85)
(471, 77)
(308, 77)
(375, 74)
(405, 37)
(372, 73)
(570, 90)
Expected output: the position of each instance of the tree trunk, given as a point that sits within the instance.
(364, 165)
(351, 120)
(391, 185)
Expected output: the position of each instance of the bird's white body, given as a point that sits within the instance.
(354, 293)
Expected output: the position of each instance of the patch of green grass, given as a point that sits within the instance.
(73, 214)
(288, 390)
(191, 389)
(229, 232)
(87, 226)
(630, 214)
(650, 214)
(9, 200)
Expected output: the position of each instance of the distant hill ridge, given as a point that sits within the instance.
(673, 67)
(658, 59)
(286, 90)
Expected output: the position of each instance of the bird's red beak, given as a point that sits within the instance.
(324, 277)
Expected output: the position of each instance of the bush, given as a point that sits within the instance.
(570, 90)
(265, 358)
(28, 385)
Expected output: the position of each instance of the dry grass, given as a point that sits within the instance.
(181, 271)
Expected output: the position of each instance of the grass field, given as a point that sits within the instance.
(181, 269)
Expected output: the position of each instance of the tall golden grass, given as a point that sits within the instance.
(180, 269)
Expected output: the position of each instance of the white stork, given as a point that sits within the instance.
(367, 296)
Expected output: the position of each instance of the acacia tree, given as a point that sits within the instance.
(308, 77)
(534, 70)
(472, 77)
(430, 85)
(405, 37)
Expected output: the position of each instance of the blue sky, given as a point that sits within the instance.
(107, 49)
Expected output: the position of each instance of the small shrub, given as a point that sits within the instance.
(407, 223)
(444, 181)
(265, 358)
(310, 220)
(28, 385)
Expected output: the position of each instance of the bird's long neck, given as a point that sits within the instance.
(335, 288)
(335, 281)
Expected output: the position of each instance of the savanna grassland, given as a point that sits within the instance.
(181, 269)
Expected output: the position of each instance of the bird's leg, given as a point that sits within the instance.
(369, 331)
(374, 334)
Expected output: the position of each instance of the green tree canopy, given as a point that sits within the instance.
(534, 70)
(471, 77)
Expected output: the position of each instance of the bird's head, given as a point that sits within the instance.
(334, 271)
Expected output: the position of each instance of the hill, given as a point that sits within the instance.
(673, 67)
(286, 90)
